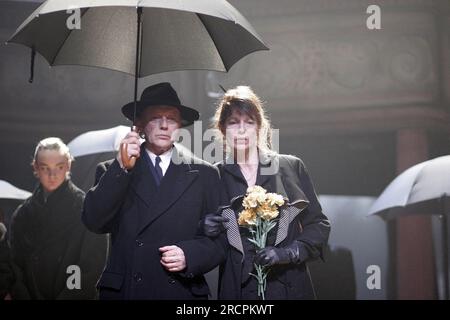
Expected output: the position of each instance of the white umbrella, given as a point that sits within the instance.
(93, 147)
(98, 141)
(422, 189)
(8, 191)
(423, 185)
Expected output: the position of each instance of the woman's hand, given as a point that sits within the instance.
(270, 256)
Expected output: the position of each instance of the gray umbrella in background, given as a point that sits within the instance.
(421, 189)
(97, 141)
(8, 191)
(424, 187)
(10, 198)
(140, 37)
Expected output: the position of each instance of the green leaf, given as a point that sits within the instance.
(270, 227)
(256, 243)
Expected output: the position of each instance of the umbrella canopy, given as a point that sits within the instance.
(419, 188)
(139, 37)
(98, 141)
(8, 191)
(422, 189)
(174, 35)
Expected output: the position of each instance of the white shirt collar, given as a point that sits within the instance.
(166, 157)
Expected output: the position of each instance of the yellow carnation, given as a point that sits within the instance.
(267, 211)
(275, 199)
(250, 201)
(247, 217)
(256, 189)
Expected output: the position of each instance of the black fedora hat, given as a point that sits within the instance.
(157, 95)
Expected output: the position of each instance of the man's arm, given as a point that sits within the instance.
(91, 262)
(202, 253)
(19, 289)
(103, 201)
(316, 226)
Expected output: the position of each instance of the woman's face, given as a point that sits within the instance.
(241, 132)
(51, 168)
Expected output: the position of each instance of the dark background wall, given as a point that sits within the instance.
(340, 94)
(323, 63)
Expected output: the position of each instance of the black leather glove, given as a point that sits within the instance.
(213, 224)
(270, 256)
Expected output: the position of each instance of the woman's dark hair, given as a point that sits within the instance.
(243, 100)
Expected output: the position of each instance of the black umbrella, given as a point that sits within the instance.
(140, 37)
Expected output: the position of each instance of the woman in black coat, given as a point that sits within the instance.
(54, 255)
(302, 229)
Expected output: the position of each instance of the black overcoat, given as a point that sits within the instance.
(142, 217)
(48, 238)
(303, 222)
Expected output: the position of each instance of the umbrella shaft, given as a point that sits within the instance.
(445, 247)
(137, 66)
(33, 54)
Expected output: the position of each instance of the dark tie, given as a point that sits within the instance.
(158, 169)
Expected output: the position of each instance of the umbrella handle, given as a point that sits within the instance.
(128, 162)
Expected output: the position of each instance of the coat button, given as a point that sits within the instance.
(139, 243)
(190, 275)
(137, 277)
(171, 280)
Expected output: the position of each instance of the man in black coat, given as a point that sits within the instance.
(152, 208)
(54, 256)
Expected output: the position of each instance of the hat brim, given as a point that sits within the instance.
(188, 115)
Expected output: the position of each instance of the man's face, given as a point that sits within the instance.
(51, 168)
(160, 125)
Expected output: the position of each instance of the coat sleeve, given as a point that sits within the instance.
(91, 262)
(6, 270)
(315, 226)
(19, 289)
(203, 253)
(103, 201)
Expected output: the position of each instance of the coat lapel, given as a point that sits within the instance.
(233, 235)
(143, 181)
(233, 169)
(178, 178)
(265, 169)
(272, 174)
(295, 202)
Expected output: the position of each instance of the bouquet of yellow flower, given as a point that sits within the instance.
(259, 214)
